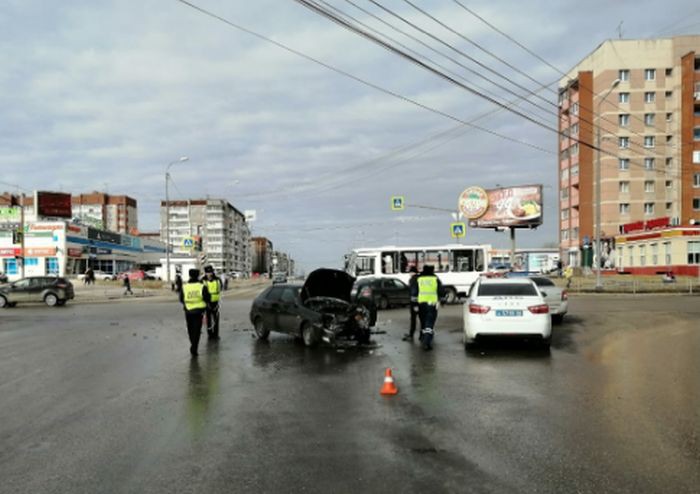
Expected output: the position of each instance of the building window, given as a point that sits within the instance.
(624, 142)
(697, 64)
(669, 94)
(574, 129)
(574, 109)
(696, 204)
(649, 119)
(649, 141)
(31, 261)
(669, 72)
(648, 208)
(642, 255)
(649, 186)
(565, 174)
(574, 149)
(654, 254)
(623, 75)
(669, 117)
(696, 134)
(669, 139)
(630, 252)
(696, 157)
(10, 266)
(52, 265)
(624, 187)
(669, 184)
(693, 252)
(669, 162)
(649, 74)
(623, 98)
(565, 234)
(623, 119)
(574, 170)
(565, 214)
(696, 180)
(667, 253)
(574, 233)
(649, 163)
(624, 208)
(564, 193)
(669, 206)
(649, 97)
(624, 163)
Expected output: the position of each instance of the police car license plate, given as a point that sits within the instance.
(509, 313)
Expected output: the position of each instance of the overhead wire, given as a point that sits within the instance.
(356, 78)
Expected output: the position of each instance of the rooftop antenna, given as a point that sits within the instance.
(619, 29)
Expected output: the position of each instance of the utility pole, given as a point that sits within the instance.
(21, 234)
(167, 215)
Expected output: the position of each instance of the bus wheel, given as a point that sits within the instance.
(450, 295)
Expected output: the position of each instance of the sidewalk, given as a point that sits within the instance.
(114, 291)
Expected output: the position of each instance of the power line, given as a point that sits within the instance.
(358, 79)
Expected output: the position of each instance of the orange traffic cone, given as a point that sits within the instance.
(389, 388)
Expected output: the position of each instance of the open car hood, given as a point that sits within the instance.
(331, 283)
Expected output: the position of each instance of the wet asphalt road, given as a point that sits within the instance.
(105, 398)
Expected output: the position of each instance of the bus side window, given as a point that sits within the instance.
(463, 261)
(390, 262)
(480, 260)
(408, 260)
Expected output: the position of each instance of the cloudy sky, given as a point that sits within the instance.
(102, 95)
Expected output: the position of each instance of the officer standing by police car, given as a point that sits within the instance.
(195, 298)
(428, 291)
(213, 284)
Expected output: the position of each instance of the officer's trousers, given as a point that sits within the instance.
(194, 319)
(213, 319)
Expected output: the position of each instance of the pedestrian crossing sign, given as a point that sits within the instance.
(459, 230)
(188, 243)
(397, 203)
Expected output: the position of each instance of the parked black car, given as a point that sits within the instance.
(51, 290)
(321, 309)
(386, 292)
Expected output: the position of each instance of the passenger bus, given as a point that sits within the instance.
(457, 266)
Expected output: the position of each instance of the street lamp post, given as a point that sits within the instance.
(598, 280)
(167, 215)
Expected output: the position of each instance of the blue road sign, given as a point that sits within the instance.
(397, 203)
(458, 230)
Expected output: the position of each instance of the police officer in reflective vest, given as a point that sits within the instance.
(213, 284)
(195, 298)
(428, 292)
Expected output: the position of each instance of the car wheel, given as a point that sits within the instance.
(450, 295)
(557, 318)
(260, 330)
(3, 302)
(383, 303)
(51, 299)
(310, 334)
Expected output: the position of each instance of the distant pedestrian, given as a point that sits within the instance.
(413, 305)
(127, 285)
(428, 291)
(213, 284)
(194, 297)
(568, 275)
(177, 286)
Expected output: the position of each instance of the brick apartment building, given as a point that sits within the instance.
(650, 136)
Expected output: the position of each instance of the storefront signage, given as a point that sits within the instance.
(10, 252)
(103, 251)
(515, 207)
(40, 251)
(12, 214)
(73, 252)
(104, 236)
(642, 226)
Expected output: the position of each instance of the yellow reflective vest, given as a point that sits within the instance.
(214, 288)
(427, 290)
(193, 295)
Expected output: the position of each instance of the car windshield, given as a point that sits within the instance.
(507, 289)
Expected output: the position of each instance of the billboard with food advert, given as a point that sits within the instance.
(53, 204)
(517, 207)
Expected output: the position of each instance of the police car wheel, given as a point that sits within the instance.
(51, 300)
(260, 330)
(450, 295)
(3, 302)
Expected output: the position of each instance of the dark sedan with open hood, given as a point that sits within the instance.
(320, 310)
